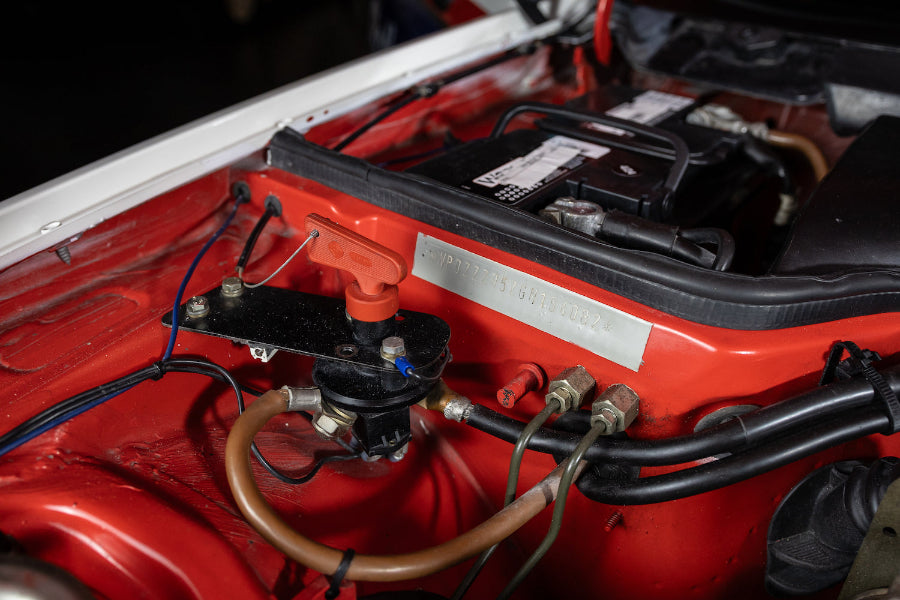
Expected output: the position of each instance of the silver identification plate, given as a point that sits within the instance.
(605, 331)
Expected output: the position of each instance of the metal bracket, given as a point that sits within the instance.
(263, 353)
(270, 319)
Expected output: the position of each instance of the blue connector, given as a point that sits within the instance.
(404, 365)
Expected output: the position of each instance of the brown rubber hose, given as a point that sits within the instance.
(803, 144)
(325, 559)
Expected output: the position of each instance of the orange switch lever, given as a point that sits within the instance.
(377, 270)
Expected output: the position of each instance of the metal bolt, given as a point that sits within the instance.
(392, 347)
(326, 426)
(330, 422)
(529, 378)
(198, 306)
(64, 254)
(232, 287)
(613, 520)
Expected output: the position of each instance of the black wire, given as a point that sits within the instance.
(79, 400)
(412, 374)
(251, 241)
(156, 371)
(407, 99)
(215, 375)
(721, 239)
(430, 89)
(743, 432)
(411, 157)
(223, 372)
(768, 159)
(273, 209)
(531, 11)
(739, 467)
(509, 54)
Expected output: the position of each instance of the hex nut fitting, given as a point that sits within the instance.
(331, 422)
(570, 388)
(232, 287)
(392, 347)
(616, 408)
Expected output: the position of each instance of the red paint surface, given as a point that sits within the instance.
(132, 498)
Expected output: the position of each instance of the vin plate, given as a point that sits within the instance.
(605, 331)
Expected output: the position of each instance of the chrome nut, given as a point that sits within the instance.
(331, 422)
(570, 388)
(616, 408)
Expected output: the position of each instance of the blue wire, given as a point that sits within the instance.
(81, 409)
(57, 422)
(190, 271)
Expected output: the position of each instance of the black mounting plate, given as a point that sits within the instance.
(302, 323)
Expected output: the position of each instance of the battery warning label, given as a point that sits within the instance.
(601, 329)
(534, 167)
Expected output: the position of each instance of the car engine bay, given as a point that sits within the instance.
(610, 314)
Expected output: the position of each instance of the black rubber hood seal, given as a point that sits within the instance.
(699, 295)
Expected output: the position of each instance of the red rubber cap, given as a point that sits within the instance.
(377, 270)
(530, 377)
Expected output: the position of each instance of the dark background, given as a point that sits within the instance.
(82, 80)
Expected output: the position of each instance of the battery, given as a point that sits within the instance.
(529, 168)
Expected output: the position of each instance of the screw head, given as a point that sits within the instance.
(198, 306)
(232, 287)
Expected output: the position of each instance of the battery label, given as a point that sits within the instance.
(650, 107)
(596, 327)
(529, 170)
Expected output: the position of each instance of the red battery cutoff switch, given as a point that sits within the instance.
(377, 270)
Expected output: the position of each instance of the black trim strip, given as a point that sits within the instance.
(699, 295)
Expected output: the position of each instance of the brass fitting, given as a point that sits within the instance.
(570, 388)
(615, 409)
